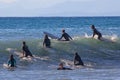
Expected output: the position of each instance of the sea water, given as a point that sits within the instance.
(100, 58)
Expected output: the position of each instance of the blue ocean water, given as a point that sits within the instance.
(33, 27)
(101, 58)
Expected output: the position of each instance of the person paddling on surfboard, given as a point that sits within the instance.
(46, 42)
(12, 61)
(65, 36)
(96, 32)
(77, 60)
(61, 67)
(26, 51)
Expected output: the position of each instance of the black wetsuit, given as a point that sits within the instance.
(64, 68)
(66, 36)
(12, 62)
(78, 61)
(47, 42)
(27, 52)
(97, 32)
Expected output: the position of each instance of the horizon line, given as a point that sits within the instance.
(60, 16)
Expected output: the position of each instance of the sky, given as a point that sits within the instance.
(39, 8)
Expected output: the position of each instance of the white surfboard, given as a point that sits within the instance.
(29, 59)
(8, 67)
(70, 64)
(51, 35)
(67, 62)
(20, 55)
(96, 37)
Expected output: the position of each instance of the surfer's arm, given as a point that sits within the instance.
(23, 52)
(70, 37)
(74, 60)
(43, 43)
(15, 62)
(93, 34)
(60, 37)
(23, 48)
(8, 62)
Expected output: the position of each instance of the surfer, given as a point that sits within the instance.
(61, 67)
(77, 60)
(65, 36)
(26, 51)
(96, 32)
(46, 42)
(12, 61)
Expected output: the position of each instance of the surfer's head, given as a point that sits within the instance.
(46, 36)
(24, 42)
(76, 53)
(61, 65)
(92, 27)
(63, 31)
(11, 56)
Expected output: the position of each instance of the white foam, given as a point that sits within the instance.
(114, 38)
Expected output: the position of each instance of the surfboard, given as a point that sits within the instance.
(8, 67)
(96, 37)
(51, 35)
(29, 59)
(70, 64)
(20, 55)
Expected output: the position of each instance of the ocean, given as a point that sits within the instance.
(101, 58)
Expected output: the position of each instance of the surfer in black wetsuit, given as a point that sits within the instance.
(26, 51)
(62, 68)
(46, 42)
(77, 60)
(65, 36)
(12, 61)
(96, 32)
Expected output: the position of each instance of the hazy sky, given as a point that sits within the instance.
(59, 8)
